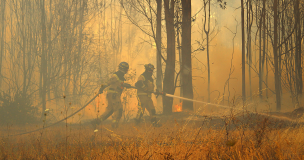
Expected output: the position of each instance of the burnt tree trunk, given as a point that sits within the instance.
(275, 55)
(43, 71)
(2, 38)
(298, 61)
(170, 61)
(243, 52)
(207, 32)
(186, 54)
(158, 49)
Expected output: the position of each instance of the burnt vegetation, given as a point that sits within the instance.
(238, 62)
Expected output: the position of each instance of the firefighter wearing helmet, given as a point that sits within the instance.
(145, 87)
(115, 86)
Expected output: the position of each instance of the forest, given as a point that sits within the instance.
(238, 61)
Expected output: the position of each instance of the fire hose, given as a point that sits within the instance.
(156, 93)
(228, 107)
(59, 120)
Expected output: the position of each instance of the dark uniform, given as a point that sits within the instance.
(115, 86)
(145, 87)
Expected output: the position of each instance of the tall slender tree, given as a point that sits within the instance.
(243, 52)
(2, 27)
(298, 57)
(170, 61)
(158, 48)
(186, 68)
(207, 32)
(249, 54)
(43, 62)
(276, 57)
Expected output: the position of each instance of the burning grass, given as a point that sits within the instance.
(176, 139)
(178, 107)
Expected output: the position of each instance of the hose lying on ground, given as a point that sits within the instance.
(59, 120)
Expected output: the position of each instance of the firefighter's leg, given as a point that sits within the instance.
(109, 110)
(152, 112)
(118, 109)
(141, 109)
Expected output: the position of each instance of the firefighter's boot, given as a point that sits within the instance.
(137, 121)
(114, 124)
(155, 123)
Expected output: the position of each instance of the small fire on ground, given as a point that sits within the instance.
(178, 107)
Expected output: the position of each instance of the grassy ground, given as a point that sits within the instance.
(177, 138)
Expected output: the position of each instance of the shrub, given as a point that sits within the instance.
(16, 109)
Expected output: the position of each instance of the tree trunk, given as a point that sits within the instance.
(179, 45)
(264, 47)
(298, 59)
(2, 39)
(170, 62)
(243, 52)
(249, 55)
(207, 31)
(186, 69)
(158, 49)
(49, 67)
(260, 55)
(275, 54)
(267, 62)
(43, 71)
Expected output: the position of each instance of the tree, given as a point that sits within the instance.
(170, 61)
(44, 60)
(2, 38)
(275, 55)
(207, 31)
(158, 48)
(298, 57)
(243, 52)
(186, 68)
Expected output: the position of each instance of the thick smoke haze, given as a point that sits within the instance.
(84, 50)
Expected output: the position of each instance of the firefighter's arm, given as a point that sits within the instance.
(127, 85)
(112, 80)
(103, 86)
(157, 93)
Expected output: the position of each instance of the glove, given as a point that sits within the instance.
(157, 93)
(102, 88)
(127, 85)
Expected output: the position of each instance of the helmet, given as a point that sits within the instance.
(123, 66)
(149, 67)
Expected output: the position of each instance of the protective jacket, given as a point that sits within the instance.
(145, 87)
(145, 84)
(115, 83)
(115, 88)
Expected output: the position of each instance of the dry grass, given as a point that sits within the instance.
(174, 140)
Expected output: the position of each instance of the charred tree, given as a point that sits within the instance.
(2, 38)
(186, 69)
(298, 39)
(170, 61)
(158, 47)
(43, 61)
(276, 57)
(243, 52)
(207, 31)
(249, 54)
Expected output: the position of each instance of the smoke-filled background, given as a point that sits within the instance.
(55, 54)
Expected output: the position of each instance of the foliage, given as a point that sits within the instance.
(16, 109)
(222, 4)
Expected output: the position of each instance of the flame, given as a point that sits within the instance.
(178, 107)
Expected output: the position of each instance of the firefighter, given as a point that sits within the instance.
(145, 87)
(115, 86)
